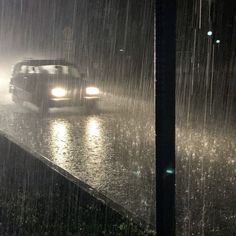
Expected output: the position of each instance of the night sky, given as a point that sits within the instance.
(107, 35)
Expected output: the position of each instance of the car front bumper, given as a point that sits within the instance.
(60, 102)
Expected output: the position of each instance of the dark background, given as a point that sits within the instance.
(112, 39)
(206, 70)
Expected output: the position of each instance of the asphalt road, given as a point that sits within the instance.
(111, 149)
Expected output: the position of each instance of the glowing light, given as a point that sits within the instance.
(218, 41)
(92, 91)
(93, 129)
(95, 148)
(4, 77)
(59, 130)
(58, 92)
(59, 141)
(4, 85)
(209, 33)
(170, 171)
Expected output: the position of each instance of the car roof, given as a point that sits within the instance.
(34, 62)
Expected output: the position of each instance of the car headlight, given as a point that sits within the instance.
(92, 91)
(58, 92)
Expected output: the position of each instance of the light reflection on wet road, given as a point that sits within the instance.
(112, 150)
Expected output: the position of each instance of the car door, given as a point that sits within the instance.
(17, 80)
(29, 82)
(21, 82)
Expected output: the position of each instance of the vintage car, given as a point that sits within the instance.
(51, 83)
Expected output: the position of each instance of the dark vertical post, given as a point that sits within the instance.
(165, 116)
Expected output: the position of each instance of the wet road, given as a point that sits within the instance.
(205, 180)
(111, 149)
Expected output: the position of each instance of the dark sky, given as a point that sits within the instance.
(34, 28)
(206, 70)
(33, 25)
(216, 15)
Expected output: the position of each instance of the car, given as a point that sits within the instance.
(51, 83)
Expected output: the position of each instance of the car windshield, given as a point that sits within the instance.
(54, 70)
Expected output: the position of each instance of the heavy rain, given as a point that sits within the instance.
(94, 122)
(205, 118)
(77, 92)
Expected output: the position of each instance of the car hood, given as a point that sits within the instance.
(63, 80)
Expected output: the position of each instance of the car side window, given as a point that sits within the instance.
(33, 69)
(16, 70)
(23, 69)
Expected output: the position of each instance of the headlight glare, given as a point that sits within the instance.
(92, 91)
(58, 92)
